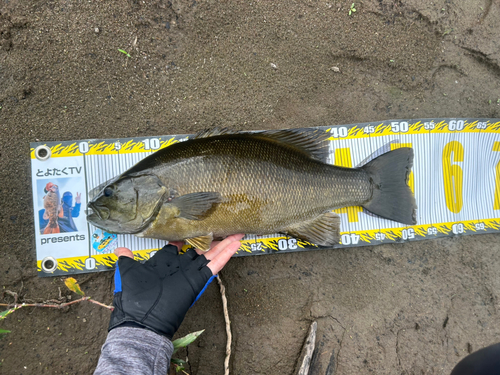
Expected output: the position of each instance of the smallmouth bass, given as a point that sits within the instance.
(219, 184)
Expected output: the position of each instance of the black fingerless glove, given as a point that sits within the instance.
(157, 294)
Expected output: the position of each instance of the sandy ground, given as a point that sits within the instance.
(413, 308)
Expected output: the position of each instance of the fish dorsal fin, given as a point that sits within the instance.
(324, 230)
(201, 242)
(195, 206)
(312, 142)
(213, 132)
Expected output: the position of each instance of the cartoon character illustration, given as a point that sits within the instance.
(52, 206)
(104, 242)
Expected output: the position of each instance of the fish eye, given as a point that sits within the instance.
(108, 192)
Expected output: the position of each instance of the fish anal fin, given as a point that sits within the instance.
(201, 242)
(323, 230)
(195, 206)
(311, 142)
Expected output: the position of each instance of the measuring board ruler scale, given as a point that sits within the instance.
(455, 179)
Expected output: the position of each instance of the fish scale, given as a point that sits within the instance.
(277, 189)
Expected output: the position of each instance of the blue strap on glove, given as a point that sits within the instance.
(118, 284)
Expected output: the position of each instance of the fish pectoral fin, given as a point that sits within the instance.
(196, 205)
(323, 230)
(202, 242)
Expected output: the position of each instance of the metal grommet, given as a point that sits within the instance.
(42, 152)
(49, 264)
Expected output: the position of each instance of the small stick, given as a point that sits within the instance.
(62, 305)
(307, 351)
(228, 325)
(13, 294)
(58, 306)
(110, 96)
(101, 304)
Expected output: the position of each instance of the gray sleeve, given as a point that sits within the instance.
(137, 351)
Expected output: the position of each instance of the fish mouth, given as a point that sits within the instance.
(94, 211)
(99, 216)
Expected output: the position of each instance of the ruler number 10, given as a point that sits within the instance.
(151, 144)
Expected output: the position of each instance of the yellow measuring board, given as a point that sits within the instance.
(455, 179)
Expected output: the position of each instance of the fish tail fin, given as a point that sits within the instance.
(392, 197)
(51, 229)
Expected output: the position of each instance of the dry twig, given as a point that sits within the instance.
(228, 325)
(16, 305)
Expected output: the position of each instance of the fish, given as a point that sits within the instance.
(221, 183)
(52, 205)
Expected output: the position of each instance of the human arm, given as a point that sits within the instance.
(78, 203)
(151, 300)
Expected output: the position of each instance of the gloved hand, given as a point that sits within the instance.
(157, 294)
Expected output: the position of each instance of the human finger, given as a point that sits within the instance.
(123, 251)
(212, 245)
(178, 244)
(216, 250)
(217, 263)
